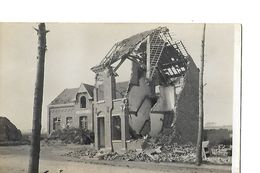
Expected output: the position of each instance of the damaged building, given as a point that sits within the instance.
(162, 91)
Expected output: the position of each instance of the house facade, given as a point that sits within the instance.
(71, 108)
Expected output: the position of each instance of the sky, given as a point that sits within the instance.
(73, 48)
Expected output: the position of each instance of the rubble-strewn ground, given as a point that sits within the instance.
(175, 153)
(14, 159)
(163, 148)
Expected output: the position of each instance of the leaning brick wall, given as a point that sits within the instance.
(187, 107)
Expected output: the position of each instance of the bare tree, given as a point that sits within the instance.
(201, 109)
(38, 95)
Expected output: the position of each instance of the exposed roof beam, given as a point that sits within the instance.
(119, 64)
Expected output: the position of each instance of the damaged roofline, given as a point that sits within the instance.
(132, 49)
(124, 48)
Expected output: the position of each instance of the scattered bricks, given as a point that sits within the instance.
(154, 152)
(166, 153)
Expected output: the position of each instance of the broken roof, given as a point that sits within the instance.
(168, 57)
(68, 95)
(123, 48)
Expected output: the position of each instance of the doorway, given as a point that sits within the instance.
(101, 132)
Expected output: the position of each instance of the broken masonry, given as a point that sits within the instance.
(162, 91)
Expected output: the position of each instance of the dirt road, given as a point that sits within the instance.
(14, 164)
(15, 160)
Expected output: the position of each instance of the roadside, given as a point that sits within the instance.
(15, 160)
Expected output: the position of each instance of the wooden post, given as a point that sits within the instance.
(148, 58)
(38, 95)
(201, 113)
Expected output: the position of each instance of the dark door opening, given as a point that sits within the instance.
(101, 131)
(116, 128)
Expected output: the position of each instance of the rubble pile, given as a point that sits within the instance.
(221, 150)
(154, 149)
(72, 135)
(173, 153)
(163, 148)
(166, 137)
(165, 153)
(160, 154)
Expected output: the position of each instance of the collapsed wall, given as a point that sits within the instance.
(162, 113)
(139, 97)
(176, 106)
(174, 117)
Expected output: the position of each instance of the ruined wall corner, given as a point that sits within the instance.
(187, 106)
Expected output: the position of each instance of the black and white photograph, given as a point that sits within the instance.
(119, 97)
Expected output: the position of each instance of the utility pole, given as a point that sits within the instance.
(201, 109)
(148, 58)
(38, 96)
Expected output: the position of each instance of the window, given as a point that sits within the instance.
(56, 123)
(68, 121)
(83, 122)
(83, 102)
(116, 128)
